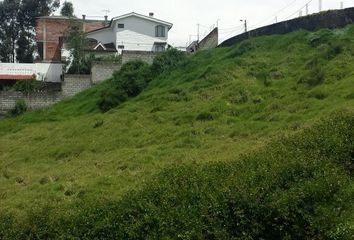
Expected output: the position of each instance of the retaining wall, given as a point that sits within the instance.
(330, 19)
(34, 100)
(101, 71)
(147, 57)
(210, 41)
(74, 84)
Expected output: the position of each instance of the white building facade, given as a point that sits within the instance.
(134, 32)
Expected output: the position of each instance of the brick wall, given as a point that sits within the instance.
(210, 41)
(101, 71)
(50, 29)
(147, 57)
(34, 100)
(74, 84)
(330, 19)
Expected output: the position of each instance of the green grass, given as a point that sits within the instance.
(211, 110)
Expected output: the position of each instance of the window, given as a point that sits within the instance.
(120, 25)
(160, 31)
(40, 49)
(159, 48)
(120, 46)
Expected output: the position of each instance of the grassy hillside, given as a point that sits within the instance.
(197, 121)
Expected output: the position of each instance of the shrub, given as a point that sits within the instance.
(133, 77)
(320, 37)
(28, 86)
(130, 81)
(111, 98)
(82, 65)
(20, 108)
(167, 60)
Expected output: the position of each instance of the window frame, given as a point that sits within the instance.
(160, 48)
(160, 31)
(120, 25)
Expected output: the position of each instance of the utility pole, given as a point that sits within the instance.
(198, 31)
(307, 9)
(341, 5)
(245, 22)
(320, 5)
(276, 19)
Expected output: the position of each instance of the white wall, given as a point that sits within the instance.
(104, 36)
(138, 34)
(136, 41)
(48, 72)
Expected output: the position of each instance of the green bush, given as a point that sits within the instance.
(321, 37)
(167, 60)
(133, 77)
(82, 65)
(20, 108)
(111, 98)
(28, 86)
(130, 81)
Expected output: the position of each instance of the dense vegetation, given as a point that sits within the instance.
(135, 76)
(250, 142)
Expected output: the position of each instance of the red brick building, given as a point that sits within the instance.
(50, 30)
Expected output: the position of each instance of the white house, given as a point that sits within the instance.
(133, 32)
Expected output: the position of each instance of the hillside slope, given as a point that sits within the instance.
(216, 106)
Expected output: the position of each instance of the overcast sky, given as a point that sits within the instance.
(186, 14)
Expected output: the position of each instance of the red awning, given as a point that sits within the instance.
(15, 77)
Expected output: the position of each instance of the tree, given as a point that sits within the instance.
(67, 9)
(77, 43)
(17, 27)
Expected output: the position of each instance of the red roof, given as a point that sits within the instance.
(15, 77)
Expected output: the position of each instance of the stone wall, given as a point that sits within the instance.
(147, 57)
(74, 84)
(101, 71)
(210, 41)
(330, 19)
(34, 100)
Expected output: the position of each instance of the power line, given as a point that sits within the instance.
(275, 14)
(306, 5)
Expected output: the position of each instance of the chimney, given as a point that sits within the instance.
(83, 17)
(105, 20)
(151, 14)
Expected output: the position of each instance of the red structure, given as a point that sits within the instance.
(50, 30)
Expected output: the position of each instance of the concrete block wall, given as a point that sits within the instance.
(74, 84)
(210, 41)
(329, 19)
(147, 57)
(101, 71)
(34, 100)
